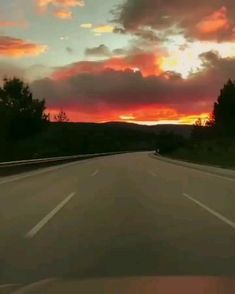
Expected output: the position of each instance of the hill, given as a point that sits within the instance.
(183, 130)
(59, 139)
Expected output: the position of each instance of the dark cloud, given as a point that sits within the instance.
(214, 19)
(69, 50)
(28, 74)
(147, 34)
(127, 89)
(136, 47)
(10, 70)
(221, 68)
(101, 50)
(119, 51)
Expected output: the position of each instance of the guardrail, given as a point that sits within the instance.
(13, 167)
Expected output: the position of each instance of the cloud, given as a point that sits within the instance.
(119, 52)
(14, 24)
(10, 70)
(99, 92)
(101, 50)
(215, 22)
(60, 3)
(212, 19)
(146, 62)
(103, 29)
(86, 25)
(63, 8)
(99, 29)
(13, 47)
(69, 50)
(63, 14)
(124, 92)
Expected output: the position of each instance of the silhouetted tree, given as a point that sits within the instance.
(224, 110)
(200, 130)
(21, 115)
(167, 142)
(61, 117)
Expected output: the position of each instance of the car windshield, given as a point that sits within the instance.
(117, 141)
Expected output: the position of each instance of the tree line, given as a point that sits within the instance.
(21, 116)
(216, 134)
(28, 131)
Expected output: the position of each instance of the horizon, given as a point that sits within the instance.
(147, 124)
(121, 60)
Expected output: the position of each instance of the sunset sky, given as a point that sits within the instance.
(144, 61)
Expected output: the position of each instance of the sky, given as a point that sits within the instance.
(141, 61)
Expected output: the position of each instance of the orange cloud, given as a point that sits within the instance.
(147, 63)
(103, 29)
(10, 24)
(12, 47)
(86, 25)
(61, 3)
(65, 6)
(160, 114)
(191, 119)
(63, 14)
(215, 22)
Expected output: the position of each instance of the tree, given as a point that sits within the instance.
(167, 142)
(61, 117)
(224, 110)
(21, 115)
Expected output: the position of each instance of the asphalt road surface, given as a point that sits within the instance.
(123, 215)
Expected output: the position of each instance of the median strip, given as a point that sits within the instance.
(48, 217)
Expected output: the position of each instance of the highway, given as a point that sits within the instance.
(121, 215)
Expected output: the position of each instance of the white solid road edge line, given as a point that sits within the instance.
(211, 211)
(48, 217)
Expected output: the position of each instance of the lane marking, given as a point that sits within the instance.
(48, 217)
(95, 173)
(211, 211)
(152, 173)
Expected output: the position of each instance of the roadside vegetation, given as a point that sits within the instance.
(27, 131)
(212, 141)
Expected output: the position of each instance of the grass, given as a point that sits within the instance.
(214, 153)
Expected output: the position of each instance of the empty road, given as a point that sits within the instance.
(123, 215)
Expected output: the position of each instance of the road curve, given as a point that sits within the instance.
(124, 215)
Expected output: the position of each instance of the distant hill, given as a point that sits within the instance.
(183, 130)
(60, 139)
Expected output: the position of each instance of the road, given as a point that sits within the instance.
(123, 215)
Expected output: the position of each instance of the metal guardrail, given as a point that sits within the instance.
(21, 166)
(53, 159)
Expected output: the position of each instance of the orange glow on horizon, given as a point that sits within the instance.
(143, 116)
